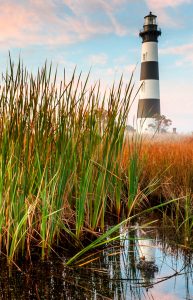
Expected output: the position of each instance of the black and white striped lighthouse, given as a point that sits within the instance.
(149, 97)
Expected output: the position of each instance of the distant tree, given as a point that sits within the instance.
(161, 123)
(130, 128)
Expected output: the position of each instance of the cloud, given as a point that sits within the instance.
(160, 8)
(157, 4)
(17, 24)
(164, 296)
(176, 102)
(98, 59)
(82, 9)
(185, 51)
(57, 22)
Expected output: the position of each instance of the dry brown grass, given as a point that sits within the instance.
(171, 160)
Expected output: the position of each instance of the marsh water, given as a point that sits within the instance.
(116, 272)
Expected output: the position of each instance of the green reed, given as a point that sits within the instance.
(60, 150)
(182, 218)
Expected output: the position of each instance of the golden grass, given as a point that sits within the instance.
(170, 159)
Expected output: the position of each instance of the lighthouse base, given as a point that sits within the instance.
(147, 125)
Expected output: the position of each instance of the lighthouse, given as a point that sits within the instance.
(149, 95)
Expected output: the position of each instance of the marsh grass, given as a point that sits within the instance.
(170, 158)
(60, 150)
(65, 162)
(165, 172)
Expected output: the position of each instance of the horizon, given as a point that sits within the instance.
(104, 35)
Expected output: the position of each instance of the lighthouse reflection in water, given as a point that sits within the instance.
(147, 257)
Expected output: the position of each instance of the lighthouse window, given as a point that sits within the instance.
(143, 87)
(145, 56)
(150, 20)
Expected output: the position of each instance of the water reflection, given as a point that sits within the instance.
(113, 273)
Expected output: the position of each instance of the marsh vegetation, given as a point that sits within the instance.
(67, 167)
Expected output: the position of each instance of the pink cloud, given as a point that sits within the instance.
(176, 101)
(36, 23)
(159, 7)
(82, 8)
(186, 51)
(164, 296)
(17, 24)
(156, 4)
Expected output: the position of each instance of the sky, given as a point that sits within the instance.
(104, 35)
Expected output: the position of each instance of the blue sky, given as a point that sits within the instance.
(104, 34)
